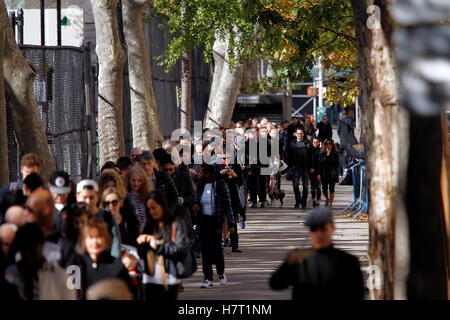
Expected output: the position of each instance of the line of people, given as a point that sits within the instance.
(145, 211)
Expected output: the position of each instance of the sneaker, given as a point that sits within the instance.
(242, 224)
(236, 250)
(227, 242)
(326, 203)
(207, 284)
(303, 207)
(262, 205)
(296, 206)
(254, 205)
(314, 203)
(223, 279)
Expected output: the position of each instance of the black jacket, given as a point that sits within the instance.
(315, 161)
(185, 187)
(172, 251)
(222, 202)
(233, 184)
(165, 185)
(325, 131)
(328, 274)
(129, 227)
(106, 267)
(329, 167)
(300, 157)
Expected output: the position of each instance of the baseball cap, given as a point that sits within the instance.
(59, 182)
(319, 217)
(87, 183)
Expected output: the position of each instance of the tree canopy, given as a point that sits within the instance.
(287, 34)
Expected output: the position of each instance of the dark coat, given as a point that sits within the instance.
(328, 274)
(223, 209)
(129, 228)
(325, 131)
(300, 157)
(172, 251)
(315, 161)
(106, 267)
(185, 186)
(165, 185)
(329, 167)
(233, 185)
(346, 133)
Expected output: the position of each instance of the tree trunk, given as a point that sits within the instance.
(386, 130)
(219, 51)
(111, 58)
(186, 91)
(19, 75)
(4, 172)
(224, 92)
(427, 278)
(144, 112)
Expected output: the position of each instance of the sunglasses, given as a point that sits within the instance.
(317, 228)
(329, 144)
(107, 203)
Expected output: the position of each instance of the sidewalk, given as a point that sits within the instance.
(269, 235)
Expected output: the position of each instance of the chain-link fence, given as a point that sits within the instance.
(59, 88)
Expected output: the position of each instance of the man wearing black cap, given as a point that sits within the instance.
(322, 272)
(60, 188)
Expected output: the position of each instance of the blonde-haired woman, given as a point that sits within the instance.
(138, 188)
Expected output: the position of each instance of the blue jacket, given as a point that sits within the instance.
(222, 203)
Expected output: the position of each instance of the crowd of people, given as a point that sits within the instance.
(144, 211)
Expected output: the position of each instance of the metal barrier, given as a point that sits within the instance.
(360, 202)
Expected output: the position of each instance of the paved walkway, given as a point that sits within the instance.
(269, 235)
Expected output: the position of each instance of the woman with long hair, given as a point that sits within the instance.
(128, 224)
(138, 188)
(328, 170)
(163, 238)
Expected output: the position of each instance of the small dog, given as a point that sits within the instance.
(276, 194)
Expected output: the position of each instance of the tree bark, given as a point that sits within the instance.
(386, 134)
(224, 91)
(186, 91)
(144, 112)
(4, 171)
(19, 75)
(111, 57)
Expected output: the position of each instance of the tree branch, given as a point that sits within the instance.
(348, 37)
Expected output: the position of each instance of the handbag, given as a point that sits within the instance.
(186, 264)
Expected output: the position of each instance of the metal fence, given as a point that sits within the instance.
(59, 88)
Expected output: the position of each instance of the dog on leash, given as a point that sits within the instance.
(276, 194)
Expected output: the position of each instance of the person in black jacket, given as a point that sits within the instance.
(212, 205)
(325, 130)
(316, 189)
(258, 181)
(159, 180)
(185, 188)
(231, 173)
(329, 170)
(162, 241)
(127, 222)
(60, 188)
(96, 262)
(322, 272)
(300, 164)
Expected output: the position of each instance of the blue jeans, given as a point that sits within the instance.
(296, 174)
